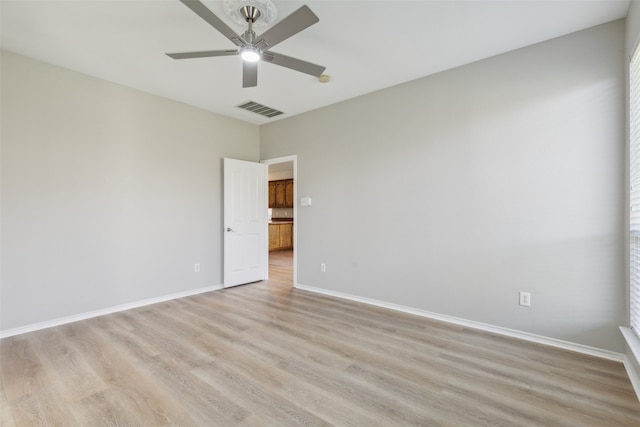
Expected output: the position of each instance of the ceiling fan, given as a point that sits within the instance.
(251, 48)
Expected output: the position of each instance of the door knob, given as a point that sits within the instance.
(229, 229)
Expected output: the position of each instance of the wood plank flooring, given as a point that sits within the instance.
(269, 355)
(281, 267)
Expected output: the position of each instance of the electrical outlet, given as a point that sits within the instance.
(525, 299)
(196, 268)
(323, 268)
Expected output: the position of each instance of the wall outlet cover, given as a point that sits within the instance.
(525, 299)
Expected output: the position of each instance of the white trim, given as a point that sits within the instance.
(632, 341)
(293, 158)
(580, 348)
(82, 316)
(634, 345)
(633, 376)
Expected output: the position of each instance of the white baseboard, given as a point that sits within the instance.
(87, 315)
(634, 345)
(633, 377)
(567, 345)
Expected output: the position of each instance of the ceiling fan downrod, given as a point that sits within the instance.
(251, 14)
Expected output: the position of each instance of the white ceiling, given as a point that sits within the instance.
(365, 45)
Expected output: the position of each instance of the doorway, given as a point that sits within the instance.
(283, 220)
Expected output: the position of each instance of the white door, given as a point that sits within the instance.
(245, 222)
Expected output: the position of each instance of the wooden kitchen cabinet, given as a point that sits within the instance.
(286, 236)
(280, 236)
(274, 237)
(281, 193)
(288, 193)
(272, 194)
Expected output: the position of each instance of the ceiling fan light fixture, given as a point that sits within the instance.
(250, 54)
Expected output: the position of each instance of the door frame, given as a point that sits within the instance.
(268, 162)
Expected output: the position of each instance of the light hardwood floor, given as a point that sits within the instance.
(269, 355)
(281, 267)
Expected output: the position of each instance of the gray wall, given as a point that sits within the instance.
(632, 27)
(453, 192)
(109, 195)
(632, 39)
